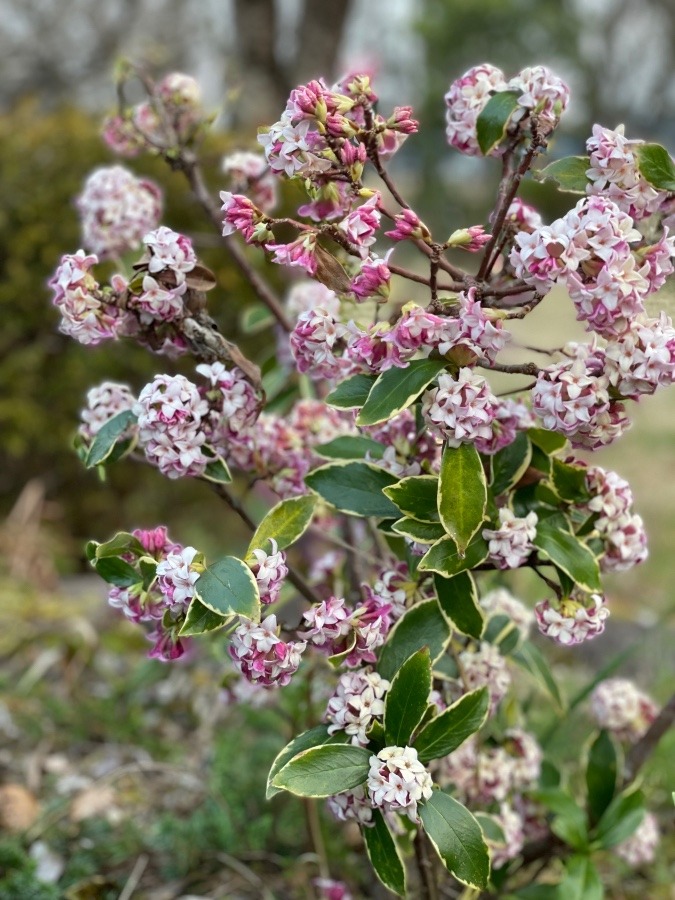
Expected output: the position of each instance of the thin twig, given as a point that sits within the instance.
(316, 835)
(189, 165)
(516, 369)
(293, 576)
(428, 885)
(134, 877)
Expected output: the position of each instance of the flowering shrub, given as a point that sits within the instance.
(388, 448)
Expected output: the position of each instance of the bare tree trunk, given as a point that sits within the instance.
(320, 38)
(263, 85)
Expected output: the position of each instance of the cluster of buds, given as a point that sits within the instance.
(640, 847)
(460, 411)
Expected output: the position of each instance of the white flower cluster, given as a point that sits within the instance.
(462, 410)
(572, 621)
(620, 706)
(357, 702)
(397, 781)
(511, 543)
(485, 667)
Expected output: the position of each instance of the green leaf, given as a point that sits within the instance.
(255, 318)
(228, 588)
(458, 600)
(568, 553)
(123, 542)
(106, 438)
(582, 881)
(407, 698)
(462, 493)
(116, 571)
(510, 464)
(569, 823)
(602, 774)
(200, 619)
(354, 488)
(416, 496)
(502, 631)
(656, 166)
(422, 532)
(217, 471)
(315, 737)
(352, 393)
(530, 657)
(548, 441)
(397, 388)
(322, 771)
(621, 818)
(491, 828)
(569, 173)
(569, 481)
(350, 447)
(453, 726)
(420, 626)
(444, 558)
(458, 838)
(493, 121)
(384, 855)
(285, 523)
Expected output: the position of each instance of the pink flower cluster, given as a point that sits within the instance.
(460, 411)
(618, 705)
(352, 805)
(144, 127)
(170, 250)
(485, 667)
(589, 250)
(233, 404)
(165, 602)
(500, 602)
(614, 173)
(621, 530)
(640, 847)
(261, 656)
(469, 335)
(249, 172)
(116, 210)
(572, 397)
(492, 774)
(103, 403)
(313, 341)
(270, 570)
(397, 781)
(541, 93)
(642, 359)
(572, 620)
(511, 543)
(357, 702)
(85, 316)
(171, 415)
(339, 629)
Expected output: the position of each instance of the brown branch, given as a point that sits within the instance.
(428, 885)
(507, 191)
(642, 750)
(423, 279)
(293, 576)
(517, 369)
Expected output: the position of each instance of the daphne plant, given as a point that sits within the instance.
(412, 488)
